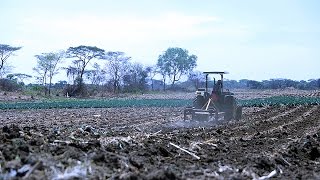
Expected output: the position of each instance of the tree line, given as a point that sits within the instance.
(197, 79)
(92, 67)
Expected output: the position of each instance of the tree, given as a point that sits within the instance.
(72, 73)
(5, 70)
(5, 52)
(42, 71)
(175, 62)
(19, 77)
(47, 67)
(116, 67)
(163, 73)
(96, 76)
(60, 84)
(243, 83)
(83, 55)
(197, 78)
(152, 72)
(254, 84)
(135, 78)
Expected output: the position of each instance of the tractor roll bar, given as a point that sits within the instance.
(207, 82)
(214, 72)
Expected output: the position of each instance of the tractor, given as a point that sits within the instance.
(215, 104)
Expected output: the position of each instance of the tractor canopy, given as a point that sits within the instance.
(215, 72)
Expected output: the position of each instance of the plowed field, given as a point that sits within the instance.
(154, 143)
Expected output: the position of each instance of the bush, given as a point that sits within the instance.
(9, 85)
(78, 89)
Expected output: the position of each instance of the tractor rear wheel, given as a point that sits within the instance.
(229, 107)
(198, 102)
(238, 113)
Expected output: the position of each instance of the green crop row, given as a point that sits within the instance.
(280, 100)
(115, 103)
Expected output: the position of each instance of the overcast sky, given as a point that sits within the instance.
(250, 39)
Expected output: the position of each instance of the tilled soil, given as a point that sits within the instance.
(143, 143)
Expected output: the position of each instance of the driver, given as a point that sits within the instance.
(216, 92)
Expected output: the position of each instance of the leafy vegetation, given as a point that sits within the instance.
(280, 100)
(115, 103)
(95, 103)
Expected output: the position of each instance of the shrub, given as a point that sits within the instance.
(9, 85)
(78, 89)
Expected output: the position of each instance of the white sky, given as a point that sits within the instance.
(250, 39)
